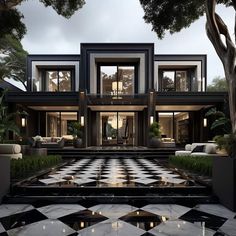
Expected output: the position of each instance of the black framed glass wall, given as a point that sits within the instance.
(54, 80)
(117, 128)
(173, 80)
(174, 126)
(58, 80)
(116, 80)
(180, 80)
(57, 123)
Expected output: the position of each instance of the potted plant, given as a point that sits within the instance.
(75, 129)
(154, 135)
(224, 169)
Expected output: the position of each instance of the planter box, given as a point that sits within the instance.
(4, 176)
(224, 181)
(25, 149)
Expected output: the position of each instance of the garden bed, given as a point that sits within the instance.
(201, 165)
(29, 165)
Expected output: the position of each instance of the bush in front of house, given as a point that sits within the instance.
(198, 164)
(29, 165)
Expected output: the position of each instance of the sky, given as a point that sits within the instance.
(113, 21)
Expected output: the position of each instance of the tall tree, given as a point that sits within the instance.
(12, 60)
(12, 30)
(172, 16)
(10, 17)
(218, 85)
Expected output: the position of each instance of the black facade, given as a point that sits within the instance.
(81, 90)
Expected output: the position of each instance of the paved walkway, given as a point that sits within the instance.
(116, 219)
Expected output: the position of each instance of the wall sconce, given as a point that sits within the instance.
(117, 87)
(23, 122)
(205, 122)
(82, 120)
(151, 120)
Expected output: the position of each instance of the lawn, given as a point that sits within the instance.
(197, 164)
(30, 165)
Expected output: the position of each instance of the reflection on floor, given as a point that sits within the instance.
(114, 172)
(116, 219)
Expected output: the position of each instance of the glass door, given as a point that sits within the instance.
(117, 128)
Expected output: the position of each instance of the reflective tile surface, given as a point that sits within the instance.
(114, 172)
(116, 219)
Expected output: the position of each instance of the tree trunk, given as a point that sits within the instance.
(226, 51)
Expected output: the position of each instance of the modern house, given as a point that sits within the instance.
(116, 91)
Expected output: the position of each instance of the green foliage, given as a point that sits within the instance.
(29, 165)
(154, 130)
(11, 24)
(218, 85)
(7, 120)
(12, 59)
(199, 164)
(75, 129)
(11, 19)
(227, 142)
(172, 16)
(221, 122)
(65, 8)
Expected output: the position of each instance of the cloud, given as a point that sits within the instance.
(112, 21)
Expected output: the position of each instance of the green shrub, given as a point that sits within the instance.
(198, 164)
(29, 165)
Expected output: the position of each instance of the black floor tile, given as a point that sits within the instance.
(4, 234)
(147, 234)
(211, 221)
(42, 203)
(82, 219)
(220, 234)
(142, 219)
(21, 219)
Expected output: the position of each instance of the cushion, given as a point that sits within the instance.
(12, 156)
(199, 148)
(182, 153)
(166, 139)
(10, 148)
(210, 148)
(199, 154)
(188, 147)
(38, 138)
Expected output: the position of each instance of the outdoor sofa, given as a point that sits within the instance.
(47, 142)
(198, 149)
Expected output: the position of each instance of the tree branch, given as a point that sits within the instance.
(216, 27)
(8, 4)
(213, 30)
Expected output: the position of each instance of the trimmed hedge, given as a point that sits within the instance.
(198, 164)
(29, 165)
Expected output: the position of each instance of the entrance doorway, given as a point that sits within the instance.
(117, 128)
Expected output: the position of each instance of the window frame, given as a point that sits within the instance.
(117, 65)
(72, 82)
(189, 80)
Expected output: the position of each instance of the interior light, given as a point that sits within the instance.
(151, 120)
(82, 120)
(23, 122)
(81, 224)
(205, 122)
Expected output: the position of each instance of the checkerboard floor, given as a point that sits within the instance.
(114, 172)
(116, 219)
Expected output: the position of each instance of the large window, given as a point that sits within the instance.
(117, 128)
(117, 80)
(175, 125)
(175, 81)
(58, 123)
(58, 80)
